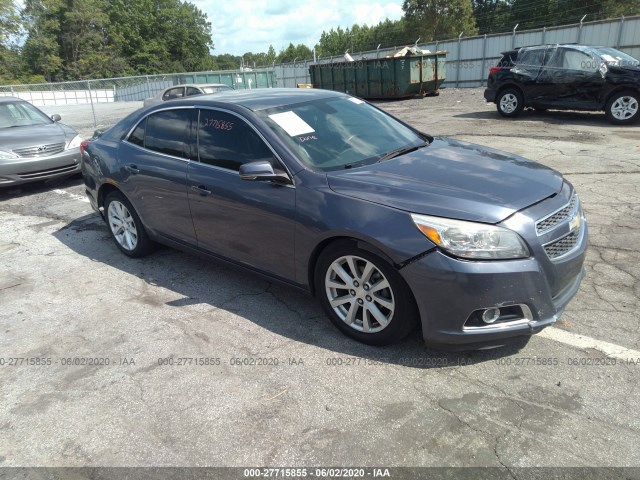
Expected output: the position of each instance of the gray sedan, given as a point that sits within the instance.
(187, 90)
(386, 225)
(33, 146)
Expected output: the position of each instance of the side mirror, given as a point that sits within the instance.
(55, 117)
(97, 133)
(262, 170)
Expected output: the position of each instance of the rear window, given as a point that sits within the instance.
(508, 60)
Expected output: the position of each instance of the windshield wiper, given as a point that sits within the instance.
(401, 151)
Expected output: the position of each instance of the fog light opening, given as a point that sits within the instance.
(490, 315)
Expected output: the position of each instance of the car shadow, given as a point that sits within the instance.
(270, 305)
(551, 117)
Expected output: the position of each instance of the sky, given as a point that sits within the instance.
(241, 26)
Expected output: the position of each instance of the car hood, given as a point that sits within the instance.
(31, 135)
(451, 179)
(625, 69)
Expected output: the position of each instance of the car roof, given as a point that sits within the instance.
(8, 99)
(263, 98)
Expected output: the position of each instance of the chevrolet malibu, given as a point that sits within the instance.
(386, 225)
(33, 146)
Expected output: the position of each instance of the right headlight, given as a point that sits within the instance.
(5, 155)
(475, 241)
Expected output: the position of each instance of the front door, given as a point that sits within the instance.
(250, 222)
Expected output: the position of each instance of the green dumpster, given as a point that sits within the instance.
(395, 77)
(238, 79)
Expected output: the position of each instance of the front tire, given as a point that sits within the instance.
(125, 226)
(622, 108)
(510, 102)
(364, 296)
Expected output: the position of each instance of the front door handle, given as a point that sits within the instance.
(201, 189)
(131, 168)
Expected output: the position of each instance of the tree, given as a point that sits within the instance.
(161, 35)
(492, 15)
(439, 19)
(11, 65)
(294, 53)
(42, 50)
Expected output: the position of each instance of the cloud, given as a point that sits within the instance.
(251, 26)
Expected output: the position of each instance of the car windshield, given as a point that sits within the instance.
(341, 132)
(215, 88)
(616, 57)
(20, 114)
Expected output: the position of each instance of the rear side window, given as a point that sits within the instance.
(227, 141)
(137, 136)
(193, 91)
(167, 132)
(531, 58)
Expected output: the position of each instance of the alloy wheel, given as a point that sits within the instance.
(359, 294)
(624, 108)
(509, 103)
(122, 225)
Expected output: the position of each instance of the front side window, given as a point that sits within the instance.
(576, 60)
(167, 132)
(227, 141)
(193, 91)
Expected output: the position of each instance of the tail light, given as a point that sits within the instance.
(493, 70)
(83, 146)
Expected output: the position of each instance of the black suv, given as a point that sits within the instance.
(566, 77)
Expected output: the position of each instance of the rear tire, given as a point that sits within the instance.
(125, 226)
(364, 296)
(510, 102)
(623, 108)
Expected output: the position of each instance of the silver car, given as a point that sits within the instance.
(187, 90)
(34, 146)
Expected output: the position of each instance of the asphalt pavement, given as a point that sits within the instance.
(173, 361)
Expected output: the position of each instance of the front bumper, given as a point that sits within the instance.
(450, 293)
(29, 169)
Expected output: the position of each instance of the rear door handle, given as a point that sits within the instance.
(131, 168)
(201, 189)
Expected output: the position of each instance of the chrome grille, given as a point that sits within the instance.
(40, 150)
(558, 217)
(48, 172)
(563, 246)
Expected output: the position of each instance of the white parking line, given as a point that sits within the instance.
(584, 342)
(72, 195)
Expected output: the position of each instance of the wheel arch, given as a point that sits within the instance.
(330, 241)
(507, 86)
(104, 190)
(619, 89)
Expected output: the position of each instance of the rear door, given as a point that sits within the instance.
(250, 222)
(153, 163)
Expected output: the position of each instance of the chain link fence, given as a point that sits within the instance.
(100, 103)
(103, 99)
